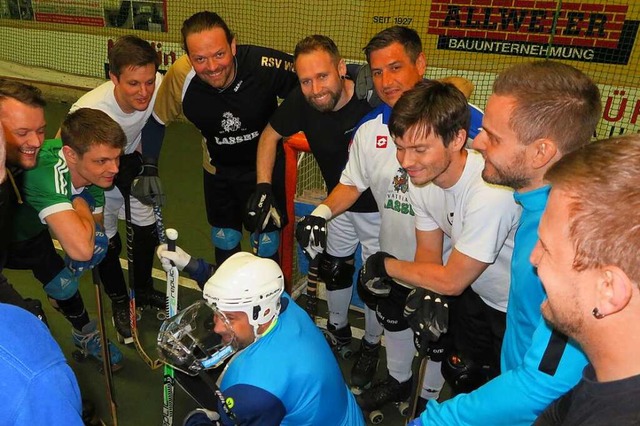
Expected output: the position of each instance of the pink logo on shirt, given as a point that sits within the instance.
(381, 141)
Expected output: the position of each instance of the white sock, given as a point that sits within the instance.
(400, 352)
(372, 328)
(338, 302)
(433, 381)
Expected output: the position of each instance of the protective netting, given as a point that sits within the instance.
(472, 38)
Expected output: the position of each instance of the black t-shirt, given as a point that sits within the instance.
(232, 120)
(8, 202)
(329, 135)
(593, 403)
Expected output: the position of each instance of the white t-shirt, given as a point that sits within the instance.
(103, 99)
(479, 218)
(373, 164)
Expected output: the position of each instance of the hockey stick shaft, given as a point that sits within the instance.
(153, 364)
(418, 388)
(216, 390)
(312, 287)
(172, 305)
(106, 355)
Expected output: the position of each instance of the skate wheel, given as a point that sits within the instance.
(403, 408)
(161, 316)
(78, 356)
(119, 338)
(376, 417)
(356, 390)
(345, 352)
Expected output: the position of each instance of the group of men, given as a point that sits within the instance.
(428, 212)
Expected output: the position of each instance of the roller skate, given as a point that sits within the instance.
(339, 340)
(88, 343)
(121, 319)
(387, 391)
(152, 298)
(365, 366)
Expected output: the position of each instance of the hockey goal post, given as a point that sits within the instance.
(303, 185)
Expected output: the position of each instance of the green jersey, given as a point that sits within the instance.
(47, 189)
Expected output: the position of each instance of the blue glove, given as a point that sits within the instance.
(86, 196)
(101, 244)
(201, 417)
(415, 422)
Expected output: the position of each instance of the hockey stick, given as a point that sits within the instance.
(172, 307)
(312, 287)
(218, 393)
(416, 396)
(133, 312)
(106, 355)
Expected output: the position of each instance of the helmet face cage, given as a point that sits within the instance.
(188, 343)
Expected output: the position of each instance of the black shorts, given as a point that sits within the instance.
(477, 329)
(38, 255)
(226, 194)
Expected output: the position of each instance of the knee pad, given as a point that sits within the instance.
(268, 243)
(463, 374)
(336, 272)
(63, 286)
(225, 238)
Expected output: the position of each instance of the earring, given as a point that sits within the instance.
(596, 313)
(342, 77)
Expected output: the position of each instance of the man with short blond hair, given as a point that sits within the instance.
(586, 257)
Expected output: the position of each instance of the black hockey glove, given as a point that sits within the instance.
(261, 209)
(146, 187)
(128, 169)
(373, 275)
(428, 316)
(311, 233)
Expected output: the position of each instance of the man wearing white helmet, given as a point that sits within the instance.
(283, 372)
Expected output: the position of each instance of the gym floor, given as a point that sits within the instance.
(138, 389)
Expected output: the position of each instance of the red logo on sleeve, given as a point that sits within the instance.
(381, 141)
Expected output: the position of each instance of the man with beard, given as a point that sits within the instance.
(228, 92)
(586, 257)
(397, 64)
(538, 112)
(326, 108)
(253, 316)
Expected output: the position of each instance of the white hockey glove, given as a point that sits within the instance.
(201, 416)
(180, 258)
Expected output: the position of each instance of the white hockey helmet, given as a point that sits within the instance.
(247, 283)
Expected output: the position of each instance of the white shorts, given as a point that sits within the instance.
(345, 231)
(141, 214)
